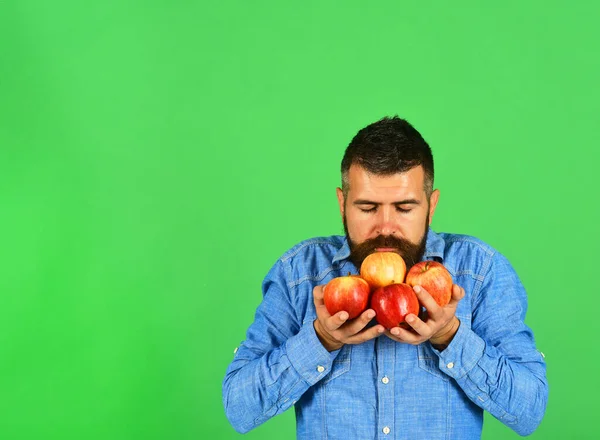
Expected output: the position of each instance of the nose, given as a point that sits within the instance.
(385, 223)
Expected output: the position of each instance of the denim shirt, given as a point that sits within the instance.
(382, 389)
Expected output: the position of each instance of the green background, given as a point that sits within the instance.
(157, 157)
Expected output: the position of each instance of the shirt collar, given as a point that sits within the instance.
(343, 253)
(434, 247)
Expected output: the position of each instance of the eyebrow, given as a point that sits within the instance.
(401, 202)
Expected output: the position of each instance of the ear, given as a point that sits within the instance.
(340, 197)
(433, 201)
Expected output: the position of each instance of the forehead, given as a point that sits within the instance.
(409, 184)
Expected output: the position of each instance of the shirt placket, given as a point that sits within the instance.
(386, 352)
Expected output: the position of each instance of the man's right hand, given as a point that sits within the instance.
(335, 330)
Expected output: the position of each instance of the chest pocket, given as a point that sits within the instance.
(429, 361)
(341, 364)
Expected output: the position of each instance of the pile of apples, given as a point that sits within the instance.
(385, 286)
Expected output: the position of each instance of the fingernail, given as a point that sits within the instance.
(417, 289)
(370, 314)
(394, 331)
(343, 316)
(410, 319)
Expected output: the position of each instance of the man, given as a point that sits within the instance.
(352, 379)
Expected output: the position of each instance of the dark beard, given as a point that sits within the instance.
(411, 253)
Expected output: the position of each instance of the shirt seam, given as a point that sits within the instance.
(318, 277)
(470, 273)
(301, 246)
(484, 247)
(485, 270)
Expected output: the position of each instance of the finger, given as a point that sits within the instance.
(334, 322)
(365, 335)
(359, 323)
(418, 325)
(402, 335)
(458, 293)
(318, 294)
(427, 300)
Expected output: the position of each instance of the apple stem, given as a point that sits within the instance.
(349, 273)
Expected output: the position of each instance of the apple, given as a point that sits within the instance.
(382, 269)
(392, 303)
(434, 278)
(349, 293)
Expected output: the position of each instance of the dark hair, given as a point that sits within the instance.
(388, 146)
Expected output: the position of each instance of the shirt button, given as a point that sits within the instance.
(320, 368)
(450, 365)
(385, 380)
(386, 430)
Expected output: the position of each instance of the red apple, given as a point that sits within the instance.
(434, 278)
(349, 293)
(392, 303)
(382, 269)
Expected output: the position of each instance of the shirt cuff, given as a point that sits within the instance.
(462, 354)
(307, 355)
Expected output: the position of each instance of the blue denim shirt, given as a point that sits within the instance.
(382, 389)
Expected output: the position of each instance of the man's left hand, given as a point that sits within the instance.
(439, 327)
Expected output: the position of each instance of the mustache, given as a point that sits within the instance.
(411, 252)
(385, 241)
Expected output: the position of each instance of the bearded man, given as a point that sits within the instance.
(354, 379)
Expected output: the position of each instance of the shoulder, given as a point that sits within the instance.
(321, 246)
(466, 243)
(311, 260)
(479, 268)
(467, 255)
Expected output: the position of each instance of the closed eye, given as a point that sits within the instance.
(373, 209)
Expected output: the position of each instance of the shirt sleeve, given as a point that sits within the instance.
(495, 361)
(278, 361)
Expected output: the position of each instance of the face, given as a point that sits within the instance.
(387, 213)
